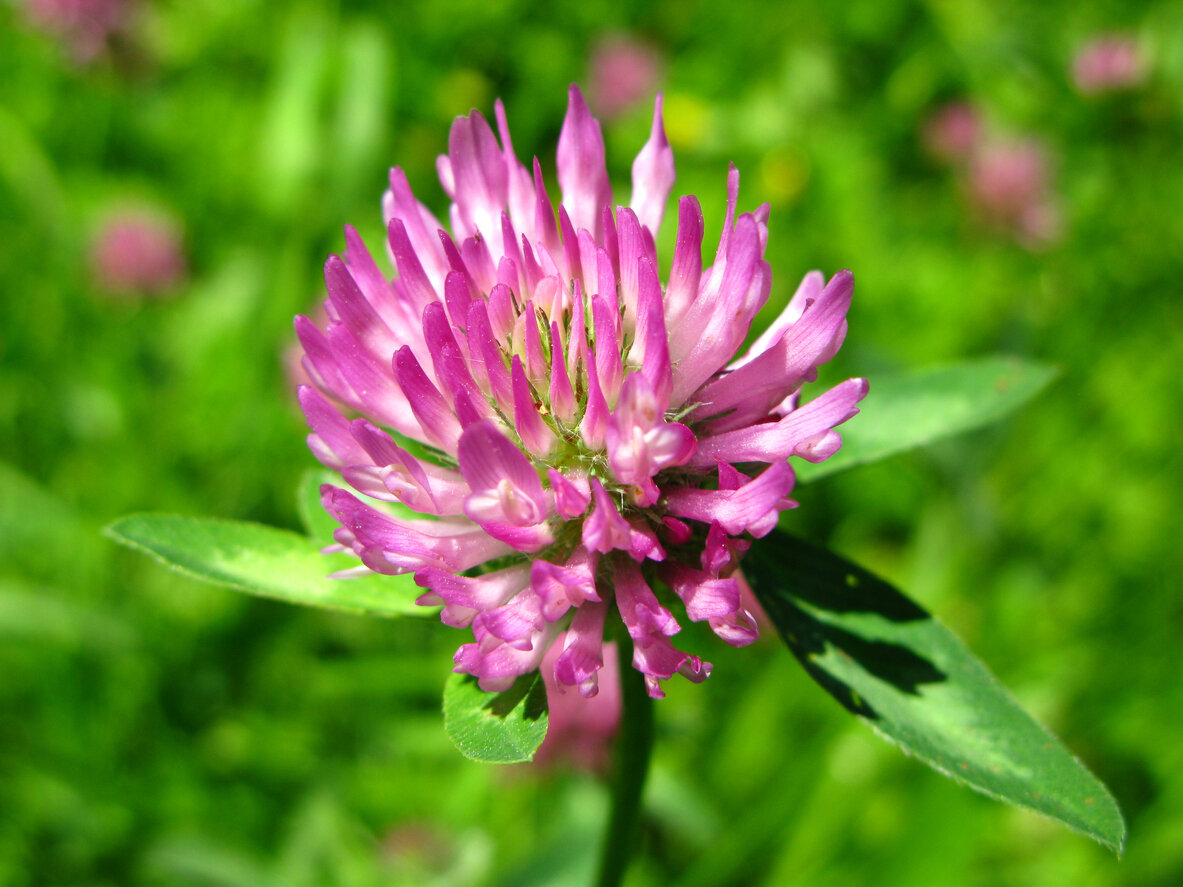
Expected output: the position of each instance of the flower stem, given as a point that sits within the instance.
(634, 743)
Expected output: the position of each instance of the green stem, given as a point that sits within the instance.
(633, 746)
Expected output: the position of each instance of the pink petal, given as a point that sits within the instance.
(435, 417)
(605, 529)
(572, 495)
(749, 393)
(687, 267)
(531, 427)
(583, 650)
(733, 510)
(505, 487)
(806, 431)
(653, 175)
(583, 176)
(561, 586)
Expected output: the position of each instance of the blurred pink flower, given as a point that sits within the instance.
(1010, 184)
(1109, 63)
(137, 252)
(85, 26)
(623, 72)
(582, 431)
(952, 133)
(581, 729)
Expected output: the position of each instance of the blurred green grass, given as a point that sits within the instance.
(155, 731)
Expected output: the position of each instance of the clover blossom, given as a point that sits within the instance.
(555, 434)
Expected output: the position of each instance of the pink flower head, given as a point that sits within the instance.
(623, 72)
(953, 132)
(137, 252)
(571, 433)
(1109, 63)
(85, 26)
(1010, 184)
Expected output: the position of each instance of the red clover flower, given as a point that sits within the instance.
(561, 431)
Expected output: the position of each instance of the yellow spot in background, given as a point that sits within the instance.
(688, 120)
(460, 91)
(785, 171)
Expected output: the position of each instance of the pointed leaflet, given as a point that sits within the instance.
(496, 728)
(264, 561)
(891, 663)
(907, 410)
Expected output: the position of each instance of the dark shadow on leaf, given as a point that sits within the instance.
(792, 578)
(810, 638)
(528, 687)
(828, 582)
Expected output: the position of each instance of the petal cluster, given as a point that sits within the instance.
(545, 435)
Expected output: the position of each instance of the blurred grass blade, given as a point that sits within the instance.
(496, 728)
(264, 561)
(891, 663)
(908, 410)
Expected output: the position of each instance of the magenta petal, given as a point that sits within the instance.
(436, 418)
(583, 176)
(517, 179)
(531, 427)
(562, 395)
(572, 495)
(487, 357)
(448, 361)
(505, 487)
(805, 428)
(583, 649)
(734, 510)
(514, 622)
(567, 585)
(410, 270)
(502, 312)
(632, 252)
(808, 290)
(594, 425)
(687, 267)
(571, 247)
(391, 545)
(653, 174)
(605, 529)
(577, 340)
(545, 229)
(536, 365)
(400, 203)
(738, 629)
(651, 350)
(608, 368)
(498, 666)
(644, 617)
(331, 441)
(476, 593)
(748, 394)
(705, 597)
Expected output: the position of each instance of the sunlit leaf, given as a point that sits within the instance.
(908, 410)
(891, 663)
(265, 561)
(496, 728)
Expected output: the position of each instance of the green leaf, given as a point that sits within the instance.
(265, 561)
(496, 728)
(318, 522)
(891, 663)
(908, 410)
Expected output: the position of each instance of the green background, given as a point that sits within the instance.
(154, 731)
